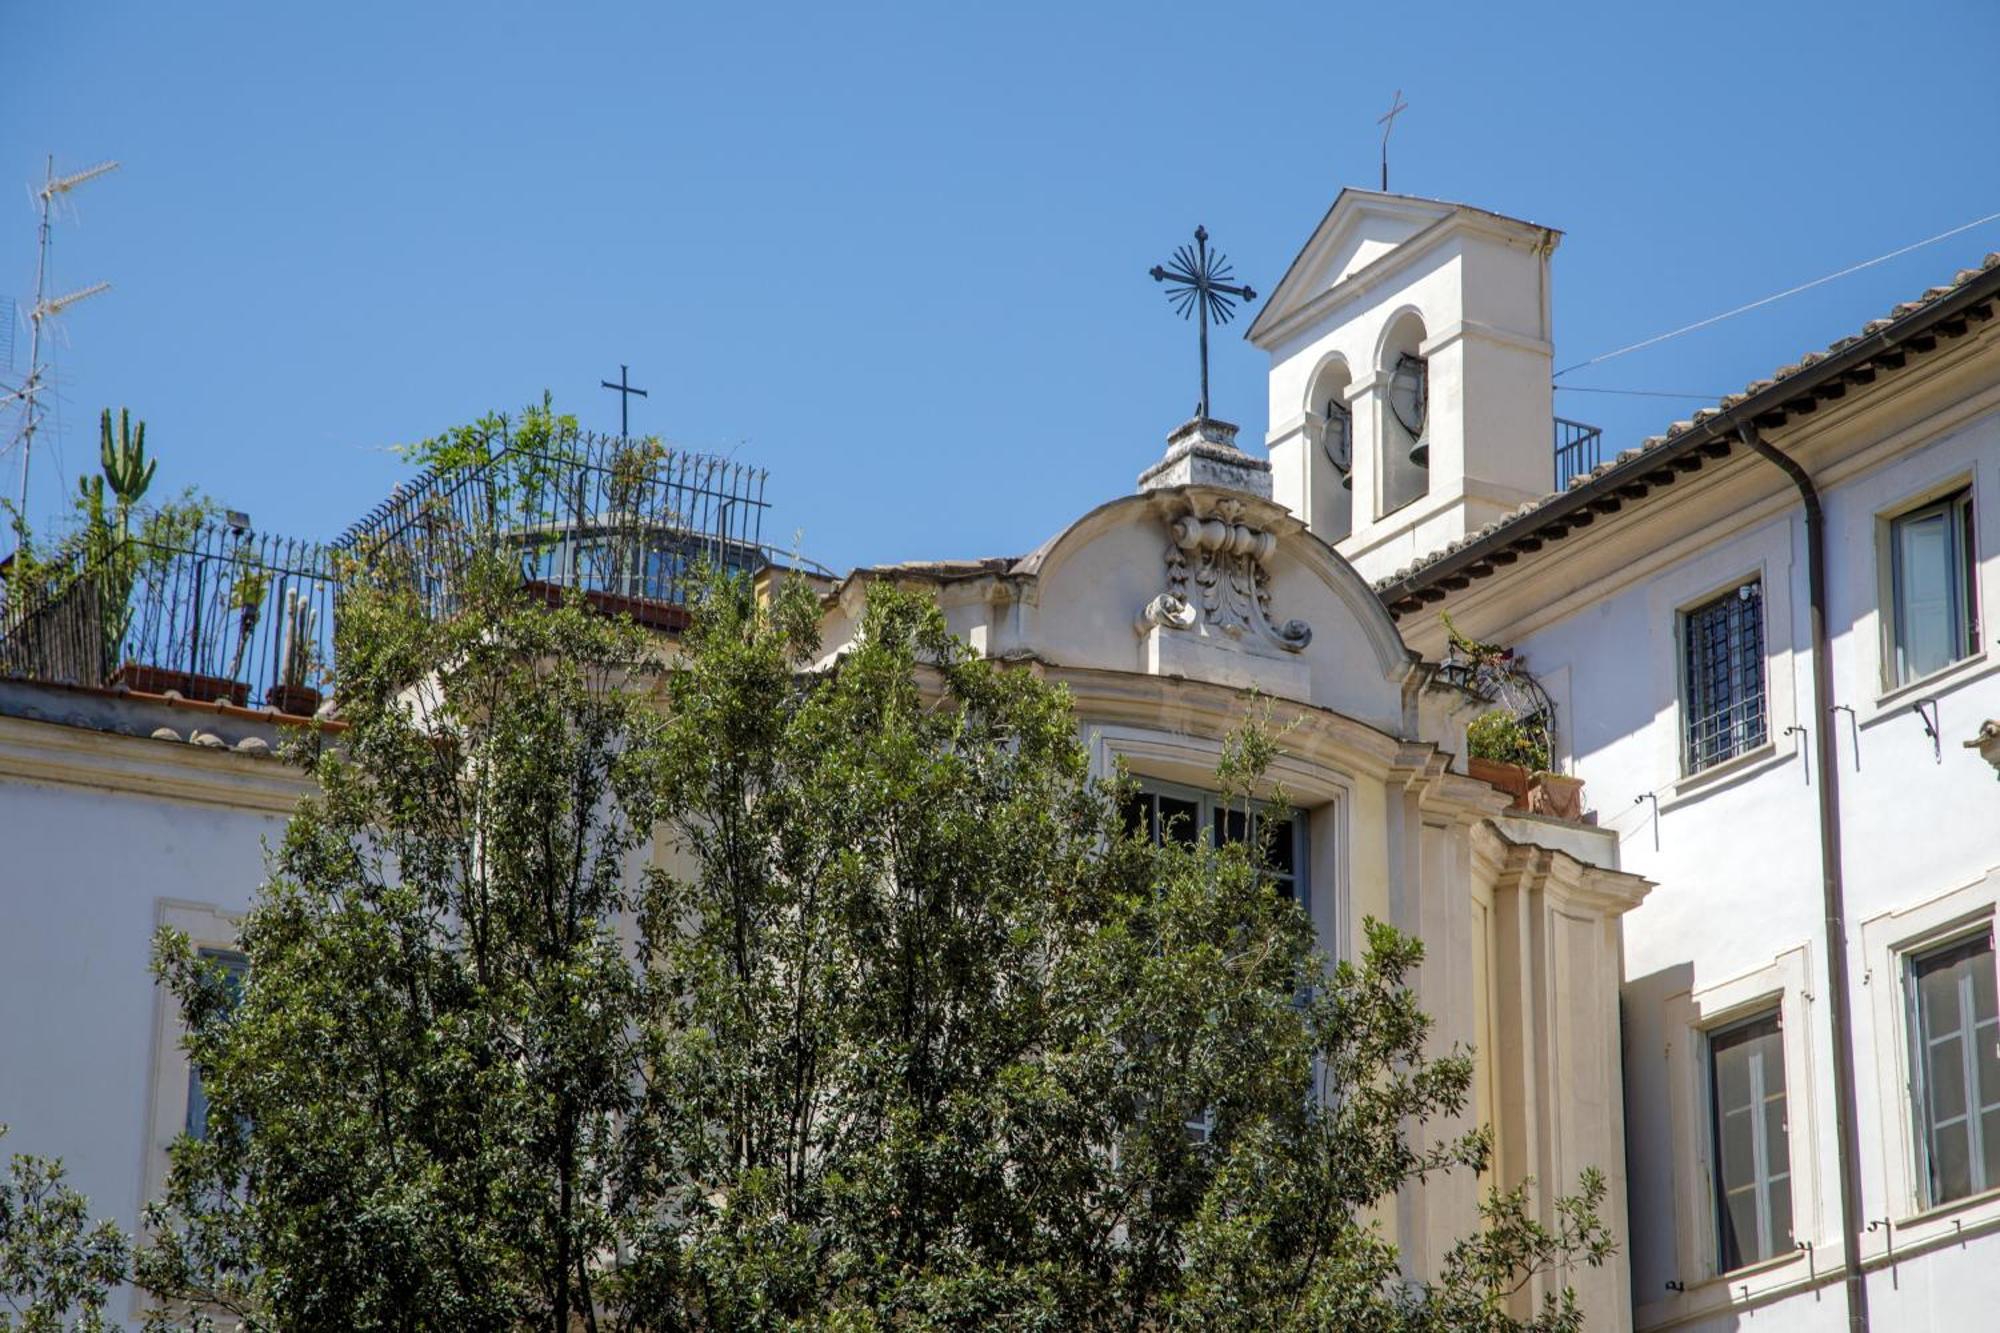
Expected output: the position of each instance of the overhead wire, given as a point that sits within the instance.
(1656, 339)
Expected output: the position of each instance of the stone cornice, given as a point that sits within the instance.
(1533, 868)
(49, 752)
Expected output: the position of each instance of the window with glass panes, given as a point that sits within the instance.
(1186, 815)
(1167, 812)
(1722, 677)
(1752, 1165)
(235, 967)
(1931, 583)
(1955, 1026)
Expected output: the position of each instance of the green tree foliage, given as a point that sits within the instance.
(57, 1271)
(898, 1028)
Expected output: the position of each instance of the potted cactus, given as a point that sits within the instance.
(291, 693)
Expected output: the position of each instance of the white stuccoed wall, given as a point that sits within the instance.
(1737, 915)
(92, 843)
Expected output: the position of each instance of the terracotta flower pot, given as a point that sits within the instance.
(296, 700)
(1557, 796)
(1510, 778)
(188, 684)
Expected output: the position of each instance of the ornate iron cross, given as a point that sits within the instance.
(1198, 284)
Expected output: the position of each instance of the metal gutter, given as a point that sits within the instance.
(1832, 883)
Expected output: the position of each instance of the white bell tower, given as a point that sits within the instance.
(1411, 399)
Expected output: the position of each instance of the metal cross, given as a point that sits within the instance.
(1397, 106)
(625, 392)
(1198, 283)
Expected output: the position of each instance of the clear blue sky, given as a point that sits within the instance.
(898, 255)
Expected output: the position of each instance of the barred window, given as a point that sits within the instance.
(1723, 645)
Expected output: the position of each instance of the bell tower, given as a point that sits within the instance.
(1411, 401)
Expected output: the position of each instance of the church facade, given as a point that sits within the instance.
(1643, 967)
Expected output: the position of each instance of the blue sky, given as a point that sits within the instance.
(897, 255)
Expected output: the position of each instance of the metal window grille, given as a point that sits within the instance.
(1723, 643)
(1752, 1166)
(1955, 1024)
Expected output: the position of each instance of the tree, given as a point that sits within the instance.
(902, 1030)
(416, 1101)
(56, 1269)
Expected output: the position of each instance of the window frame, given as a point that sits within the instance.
(1955, 504)
(1919, 1042)
(236, 969)
(1213, 806)
(1693, 759)
(1769, 1244)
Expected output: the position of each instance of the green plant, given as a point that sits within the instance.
(57, 1271)
(246, 599)
(1499, 736)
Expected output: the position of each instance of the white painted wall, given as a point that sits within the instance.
(83, 874)
(1737, 916)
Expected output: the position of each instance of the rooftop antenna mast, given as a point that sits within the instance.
(46, 307)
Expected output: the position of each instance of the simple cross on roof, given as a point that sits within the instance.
(625, 392)
(1198, 283)
(1397, 106)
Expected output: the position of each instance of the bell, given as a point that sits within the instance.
(1420, 452)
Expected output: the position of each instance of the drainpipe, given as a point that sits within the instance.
(1832, 887)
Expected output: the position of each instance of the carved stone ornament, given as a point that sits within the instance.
(1219, 578)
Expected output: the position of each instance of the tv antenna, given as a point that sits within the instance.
(29, 392)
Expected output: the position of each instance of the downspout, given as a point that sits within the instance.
(1832, 886)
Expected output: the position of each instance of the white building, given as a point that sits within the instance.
(1410, 461)
(1799, 819)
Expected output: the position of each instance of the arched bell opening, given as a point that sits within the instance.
(1328, 408)
(1404, 452)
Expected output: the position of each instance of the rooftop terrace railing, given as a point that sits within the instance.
(218, 613)
(1579, 449)
(214, 614)
(625, 521)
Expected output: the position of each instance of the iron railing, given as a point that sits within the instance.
(625, 521)
(1579, 449)
(216, 613)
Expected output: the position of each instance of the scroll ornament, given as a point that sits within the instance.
(1218, 574)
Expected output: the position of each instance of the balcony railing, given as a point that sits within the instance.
(216, 614)
(222, 614)
(625, 521)
(1579, 449)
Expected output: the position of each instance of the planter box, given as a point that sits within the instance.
(1549, 794)
(1558, 797)
(1510, 778)
(646, 612)
(295, 700)
(188, 684)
